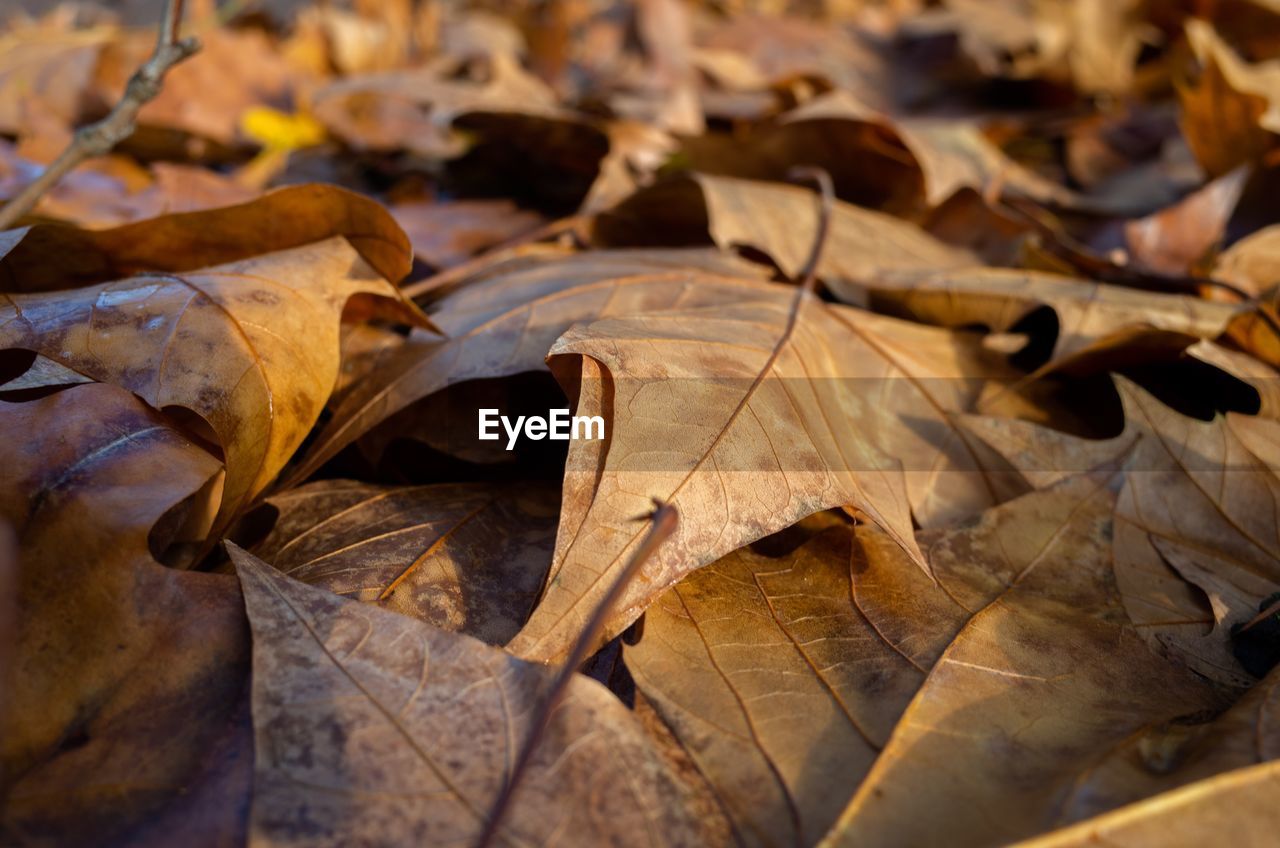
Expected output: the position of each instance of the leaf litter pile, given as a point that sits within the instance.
(935, 345)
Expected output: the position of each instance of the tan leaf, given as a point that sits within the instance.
(504, 321)
(1169, 755)
(733, 655)
(421, 109)
(1232, 114)
(234, 70)
(780, 220)
(123, 720)
(47, 257)
(745, 431)
(875, 259)
(45, 67)
(465, 557)
(411, 732)
(1088, 312)
(251, 347)
(951, 154)
(845, 636)
(1042, 673)
(1194, 520)
(1236, 808)
(1257, 330)
(1176, 240)
(1253, 263)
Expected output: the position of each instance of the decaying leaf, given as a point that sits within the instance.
(779, 220)
(251, 347)
(206, 96)
(1034, 670)
(122, 720)
(1237, 807)
(1253, 263)
(1172, 754)
(1194, 544)
(736, 652)
(373, 727)
(937, 507)
(504, 321)
(45, 68)
(1232, 115)
(704, 404)
(1087, 312)
(445, 234)
(839, 631)
(46, 257)
(952, 155)
(464, 557)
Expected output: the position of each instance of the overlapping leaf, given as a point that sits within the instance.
(705, 405)
(1195, 532)
(503, 322)
(251, 346)
(372, 727)
(464, 557)
(124, 701)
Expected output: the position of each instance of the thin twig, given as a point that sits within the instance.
(662, 524)
(99, 138)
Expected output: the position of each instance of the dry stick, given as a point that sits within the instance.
(663, 523)
(663, 519)
(99, 138)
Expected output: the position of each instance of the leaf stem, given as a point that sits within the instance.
(827, 200)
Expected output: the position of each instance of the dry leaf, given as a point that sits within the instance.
(45, 68)
(251, 347)
(1174, 241)
(1236, 808)
(1089, 314)
(862, 613)
(703, 405)
(1166, 756)
(502, 323)
(1232, 114)
(445, 234)
(1034, 671)
(234, 71)
(736, 652)
(781, 221)
(47, 257)
(951, 154)
(1253, 263)
(470, 558)
(1194, 520)
(411, 731)
(123, 722)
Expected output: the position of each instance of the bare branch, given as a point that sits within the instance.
(663, 523)
(99, 138)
